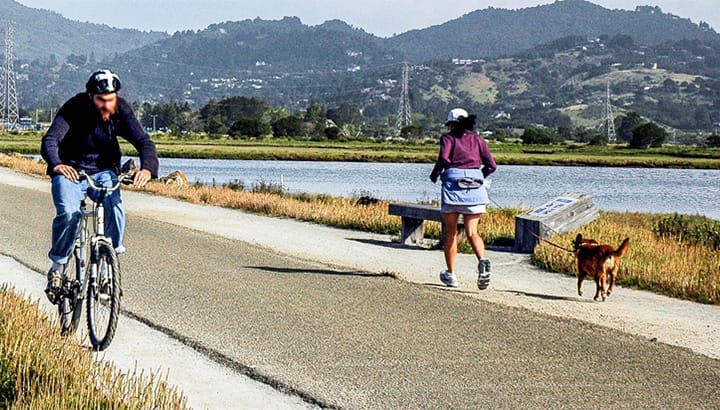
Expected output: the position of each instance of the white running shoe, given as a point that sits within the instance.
(448, 278)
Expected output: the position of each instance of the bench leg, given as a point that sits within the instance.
(460, 233)
(413, 231)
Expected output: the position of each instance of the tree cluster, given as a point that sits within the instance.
(638, 132)
(242, 117)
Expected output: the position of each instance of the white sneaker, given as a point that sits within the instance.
(448, 278)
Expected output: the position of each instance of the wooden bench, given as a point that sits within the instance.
(413, 221)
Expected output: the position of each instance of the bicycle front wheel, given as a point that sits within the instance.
(103, 304)
(70, 306)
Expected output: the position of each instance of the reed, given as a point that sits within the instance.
(39, 369)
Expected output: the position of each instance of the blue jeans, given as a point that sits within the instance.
(66, 197)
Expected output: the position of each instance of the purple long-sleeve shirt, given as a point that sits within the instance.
(467, 151)
(80, 138)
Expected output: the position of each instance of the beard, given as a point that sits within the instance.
(104, 107)
(106, 112)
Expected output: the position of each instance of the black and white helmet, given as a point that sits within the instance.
(103, 82)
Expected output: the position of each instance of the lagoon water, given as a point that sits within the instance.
(649, 190)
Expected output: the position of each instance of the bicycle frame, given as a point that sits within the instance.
(84, 289)
(80, 249)
(99, 216)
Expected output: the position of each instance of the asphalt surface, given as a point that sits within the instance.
(339, 333)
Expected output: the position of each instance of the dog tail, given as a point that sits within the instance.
(622, 249)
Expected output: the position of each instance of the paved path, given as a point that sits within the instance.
(302, 307)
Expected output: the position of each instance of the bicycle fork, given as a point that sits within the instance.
(80, 252)
(99, 236)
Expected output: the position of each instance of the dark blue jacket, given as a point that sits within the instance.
(80, 138)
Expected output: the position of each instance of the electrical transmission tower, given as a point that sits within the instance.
(609, 120)
(8, 92)
(403, 115)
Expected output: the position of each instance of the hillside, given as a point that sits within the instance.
(664, 67)
(495, 32)
(42, 33)
(239, 57)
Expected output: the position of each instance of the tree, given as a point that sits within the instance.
(582, 134)
(539, 136)
(250, 127)
(314, 112)
(648, 135)
(598, 139)
(214, 125)
(346, 113)
(233, 109)
(289, 126)
(78, 60)
(713, 141)
(565, 132)
(411, 131)
(627, 124)
(669, 86)
(332, 133)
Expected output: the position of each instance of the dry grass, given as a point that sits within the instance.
(656, 263)
(496, 228)
(39, 369)
(22, 164)
(322, 209)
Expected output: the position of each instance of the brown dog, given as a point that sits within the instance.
(599, 262)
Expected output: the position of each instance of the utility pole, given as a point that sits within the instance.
(153, 117)
(8, 92)
(403, 116)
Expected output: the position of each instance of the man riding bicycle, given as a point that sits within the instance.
(83, 136)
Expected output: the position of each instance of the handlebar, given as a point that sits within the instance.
(122, 179)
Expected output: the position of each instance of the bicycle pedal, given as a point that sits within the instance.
(51, 295)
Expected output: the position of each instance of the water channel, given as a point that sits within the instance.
(650, 190)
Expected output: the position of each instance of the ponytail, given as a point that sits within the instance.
(467, 123)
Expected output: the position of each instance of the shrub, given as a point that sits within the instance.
(235, 185)
(692, 230)
(266, 187)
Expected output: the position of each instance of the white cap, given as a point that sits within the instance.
(455, 114)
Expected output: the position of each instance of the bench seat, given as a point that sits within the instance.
(413, 217)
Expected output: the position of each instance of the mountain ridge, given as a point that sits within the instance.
(504, 32)
(291, 64)
(41, 33)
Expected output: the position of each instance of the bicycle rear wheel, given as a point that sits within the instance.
(103, 302)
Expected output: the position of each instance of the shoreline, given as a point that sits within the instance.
(505, 153)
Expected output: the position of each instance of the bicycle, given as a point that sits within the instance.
(100, 284)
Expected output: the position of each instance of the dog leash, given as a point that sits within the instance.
(537, 236)
(553, 244)
(534, 234)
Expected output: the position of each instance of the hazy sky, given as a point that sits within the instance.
(380, 17)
